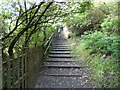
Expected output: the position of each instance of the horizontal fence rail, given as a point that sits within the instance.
(47, 44)
(22, 72)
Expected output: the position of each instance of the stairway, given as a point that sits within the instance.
(60, 71)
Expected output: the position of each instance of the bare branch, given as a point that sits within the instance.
(26, 10)
(10, 50)
(38, 22)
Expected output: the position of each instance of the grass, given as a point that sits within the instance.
(104, 65)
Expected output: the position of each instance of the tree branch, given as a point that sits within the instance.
(20, 15)
(37, 23)
(10, 50)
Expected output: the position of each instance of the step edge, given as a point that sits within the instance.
(63, 66)
(59, 61)
(67, 75)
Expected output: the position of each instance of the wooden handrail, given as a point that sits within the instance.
(48, 42)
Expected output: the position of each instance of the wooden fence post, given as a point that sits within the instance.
(1, 72)
(22, 71)
(9, 80)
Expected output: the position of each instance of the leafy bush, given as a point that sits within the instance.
(110, 24)
(100, 46)
(101, 52)
(104, 51)
(102, 43)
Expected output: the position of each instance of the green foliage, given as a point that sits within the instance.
(100, 49)
(15, 19)
(95, 15)
(78, 20)
(79, 7)
(49, 30)
(72, 34)
(110, 24)
(103, 14)
(101, 52)
(104, 71)
(37, 39)
(102, 43)
(77, 16)
(100, 46)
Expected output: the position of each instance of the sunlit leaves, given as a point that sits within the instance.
(110, 24)
(101, 45)
(76, 17)
(101, 52)
(15, 19)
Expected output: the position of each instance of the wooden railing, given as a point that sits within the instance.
(0, 63)
(47, 44)
(23, 71)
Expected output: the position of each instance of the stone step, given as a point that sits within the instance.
(60, 56)
(60, 63)
(61, 52)
(63, 75)
(60, 49)
(60, 60)
(76, 71)
(61, 45)
(63, 66)
(60, 82)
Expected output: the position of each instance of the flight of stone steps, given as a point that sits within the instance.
(60, 71)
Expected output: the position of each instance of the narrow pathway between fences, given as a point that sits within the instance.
(60, 70)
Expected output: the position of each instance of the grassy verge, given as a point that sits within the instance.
(100, 51)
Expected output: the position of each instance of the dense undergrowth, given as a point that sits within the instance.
(101, 53)
(99, 46)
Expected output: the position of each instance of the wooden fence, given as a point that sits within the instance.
(23, 71)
